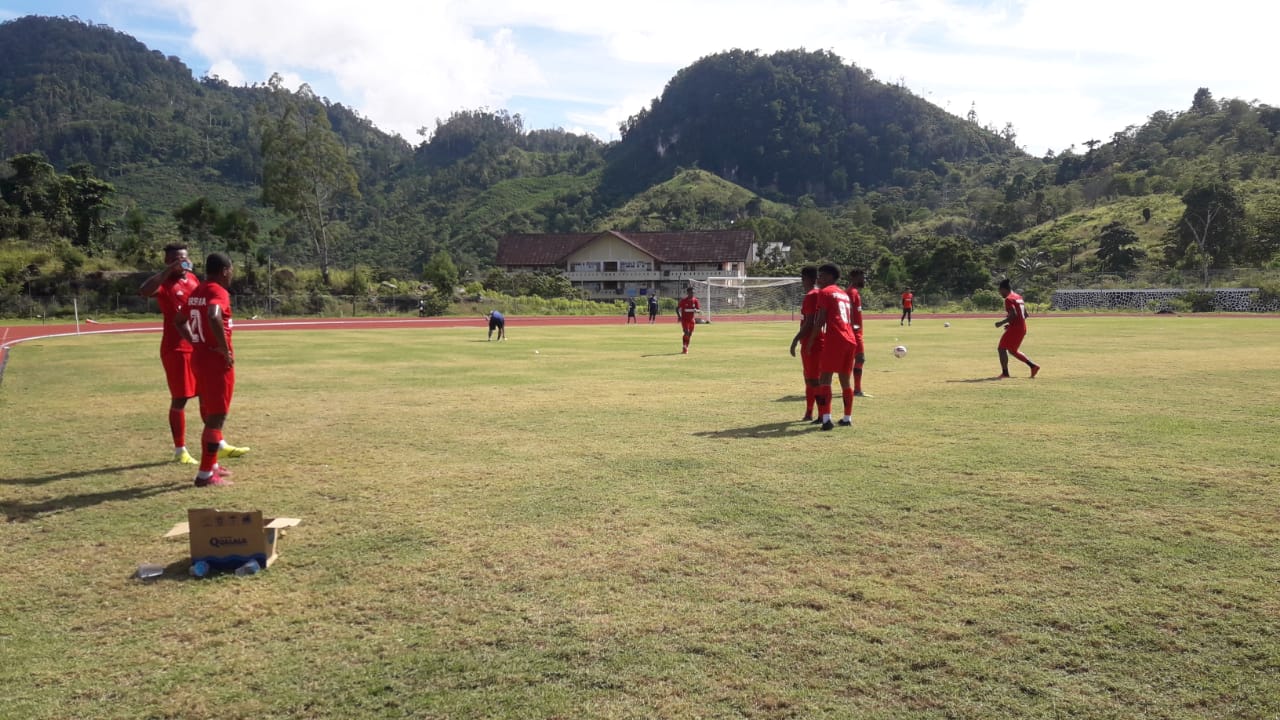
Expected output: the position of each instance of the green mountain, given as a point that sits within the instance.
(811, 152)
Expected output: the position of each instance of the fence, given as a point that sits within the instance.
(93, 304)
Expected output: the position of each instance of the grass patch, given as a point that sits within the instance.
(607, 528)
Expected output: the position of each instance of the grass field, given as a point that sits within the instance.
(607, 528)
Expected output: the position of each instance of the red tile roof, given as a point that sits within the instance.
(708, 246)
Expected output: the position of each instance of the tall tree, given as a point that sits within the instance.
(1117, 248)
(1212, 230)
(306, 171)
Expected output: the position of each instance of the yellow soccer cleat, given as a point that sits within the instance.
(182, 457)
(231, 451)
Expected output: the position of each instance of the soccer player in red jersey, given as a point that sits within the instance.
(213, 359)
(907, 301)
(838, 343)
(687, 310)
(858, 280)
(1015, 322)
(171, 287)
(808, 355)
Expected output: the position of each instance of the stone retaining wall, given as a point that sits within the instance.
(1227, 300)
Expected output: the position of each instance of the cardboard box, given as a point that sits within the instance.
(227, 539)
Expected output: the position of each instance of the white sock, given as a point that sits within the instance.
(848, 418)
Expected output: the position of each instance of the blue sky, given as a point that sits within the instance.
(1061, 73)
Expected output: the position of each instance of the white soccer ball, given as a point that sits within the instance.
(946, 324)
(900, 351)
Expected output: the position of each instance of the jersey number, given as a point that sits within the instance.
(844, 310)
(194, 327)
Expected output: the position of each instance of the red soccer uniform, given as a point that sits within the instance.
(1016, 330)
(175, 351)
(687, 309)
(906, 300)
(855, 316)
(215, 380)
(809, 354)
(838, 341)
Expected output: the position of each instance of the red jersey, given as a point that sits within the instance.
(172, 295)
(906, 300)
(809, 306)
(855, 308)
(838, 328)
(1015, 308)
(687, 309)
(206, 296)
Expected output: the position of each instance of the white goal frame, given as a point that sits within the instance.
(748, 295)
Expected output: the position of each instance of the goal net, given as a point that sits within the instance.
(764, 296)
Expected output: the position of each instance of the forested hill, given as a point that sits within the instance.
(790, 124)
(805, 149)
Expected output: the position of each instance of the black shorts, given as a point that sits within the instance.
(495, 323)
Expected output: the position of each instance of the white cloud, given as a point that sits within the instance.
(1061, 72)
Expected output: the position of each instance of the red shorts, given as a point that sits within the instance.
(809, 361)
(836, 358)
(216, 383)
(1012, 338)
(687, 327)
(179, 374)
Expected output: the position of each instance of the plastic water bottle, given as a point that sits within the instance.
(147, 571)
(250, 568)
(199, 568)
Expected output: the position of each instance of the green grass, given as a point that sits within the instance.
(606, 528)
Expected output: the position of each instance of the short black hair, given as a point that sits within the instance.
(1004, 285)
(830, 269)
(809, 271)
(216, 263)
(174, 247)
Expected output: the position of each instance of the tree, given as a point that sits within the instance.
(196, 221)
(306, 172)
(1213, 225)
(1117, 248)
(441, 273)
(88, 199)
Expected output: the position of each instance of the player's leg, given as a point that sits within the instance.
(846, 387)
(1004, 362)
(181, 380)
(216, 386)
(687, 328)
(859, 358)
(823, 399)
(809, 364)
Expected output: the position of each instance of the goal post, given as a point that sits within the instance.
(749, 296)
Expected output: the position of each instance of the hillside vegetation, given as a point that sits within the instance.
(112, 150)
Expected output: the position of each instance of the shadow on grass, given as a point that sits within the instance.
(23, 512)
(768, 430)
(661, 354)
(996, 378)
(791, 398)
(42, 479)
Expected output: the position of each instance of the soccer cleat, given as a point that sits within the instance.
(231, 451)
(816, 421)
(1034, 369)
(844, 423)
(806, 418)
(828, 425)
(220, 471)
(859, 393)
(182, 457)
(215, 481)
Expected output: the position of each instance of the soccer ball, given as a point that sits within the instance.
(900, 351)
(946, 324)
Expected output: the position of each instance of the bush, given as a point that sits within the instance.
(986, 300)
(1199, 300)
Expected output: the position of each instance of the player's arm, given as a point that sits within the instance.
(180, 321)
(1008, 318)
(152, 284)
(819, 319)
(806, 325)
(219, 333)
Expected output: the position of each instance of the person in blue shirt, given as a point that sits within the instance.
(653, 308)
(499, 323)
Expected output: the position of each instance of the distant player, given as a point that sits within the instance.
(631, 311)
(213, 358)
(1015, 322)
(653, 308)
(172, 287)
(858, 281)
(499, 323)
(687, 311)
(838, 344)
(907, 301)
(808, 355)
